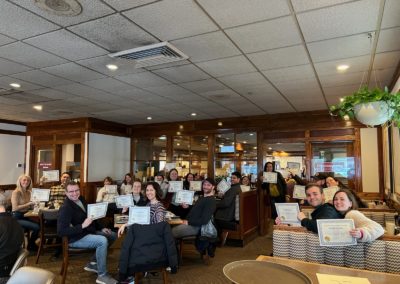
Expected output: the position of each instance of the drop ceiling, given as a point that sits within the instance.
(246, 58)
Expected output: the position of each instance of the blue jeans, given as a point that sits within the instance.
(28, 225)
(183, 230)
(100, 242)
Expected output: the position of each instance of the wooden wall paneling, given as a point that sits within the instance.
(380, 162)
(12, 122)
(133, 153)
(333, 138)
(309, 154)
(332, 132)
(211, 156)
(84, 167)
(170, 148)
(56, 126)
(107, 127)
(262, 230)
(357, 161)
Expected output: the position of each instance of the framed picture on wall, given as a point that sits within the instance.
(293, 165)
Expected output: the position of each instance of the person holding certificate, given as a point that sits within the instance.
(126, 186)
(57, 192)
(138, 198)
(83, 232)
(182, 209)
(21, 204)
(366, 230)
(106, 195)
(274, 191)
(331, 181)
(315, 197)
(173, 206)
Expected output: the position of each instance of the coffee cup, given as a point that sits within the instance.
(390, 228)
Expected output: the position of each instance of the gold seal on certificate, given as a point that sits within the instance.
(123, 201)
(40, 195)
(335, 232)
(139, 215)
(184, 196)
(174, 186)
(195, 185)
(97, 210)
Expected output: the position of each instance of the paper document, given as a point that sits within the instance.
(40, 195)
(288, 212)
(139, 215)
(111, 188)
(174, 186)
(195, 185)
(97, 210)
(184, 196)
(270, 177)
(335, 232)
(299, 192)
(51, 175)
(124, 200)
(338, 279)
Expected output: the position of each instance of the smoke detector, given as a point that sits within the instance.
(60, 7)
(151, 55)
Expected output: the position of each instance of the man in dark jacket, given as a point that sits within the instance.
(147, 247)
(11, 240)
(83, 232)
(199, 214)
(315, 198)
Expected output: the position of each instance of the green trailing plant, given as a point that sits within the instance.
(346, 107)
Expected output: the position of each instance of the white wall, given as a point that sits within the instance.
(107, 156)
(369, 160)
(12, 152)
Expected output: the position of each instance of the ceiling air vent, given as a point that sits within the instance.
(150, 55)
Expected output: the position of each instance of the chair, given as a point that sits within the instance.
(21, 261)
(181, 242)
(32, 275)
(48, 230)
(66, 251)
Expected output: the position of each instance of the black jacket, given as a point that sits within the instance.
(281, 184)
(201, 211)
(324, 211)
(70, 219)
(226, 206)
(142, 201)
(147, 247)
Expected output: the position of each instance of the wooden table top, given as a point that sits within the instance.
(172, 222)
(310, 269)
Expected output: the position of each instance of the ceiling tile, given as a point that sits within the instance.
(143, 80)
(8, 67)
(108, 85)
(128, 4)
(28, 55)
(278, 58)
(67, 45)
(5, 82)
(5, 40)
(203, 86)
(99, 64)
(175, 93)
(297, 85)
(333, 94)
(80, 90)
(229, 13)
(28, 97)
(241, 80)
(52, 94)
(342, 79)
(290, 73)
(337, 21)
(266, 35)
(391, 14)
(4, 100)
(389, 40)
(91, 9)
(28, 24)
(182, 74)
(114, 33)
(73, 72)
(262, 90)
(227, 66)
(356, 64)
(172, 19)
(386, 60)
(206, 47)
(301, 5)
(42, 78)
(338, 48)
(380, 78)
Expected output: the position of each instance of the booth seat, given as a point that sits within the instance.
(297, 243)
(246, 215)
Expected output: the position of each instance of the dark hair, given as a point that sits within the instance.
(350, 196)
(160, 173)
(265, 166)
(210, 180)
(129, 175)
(169, 173)
(70, 183)
(108, 179)
(186, 177)
(237, 174)
(68, 173)
(309, 185)
(156, 187)
(340, 184)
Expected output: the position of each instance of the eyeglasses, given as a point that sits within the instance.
(73, 191)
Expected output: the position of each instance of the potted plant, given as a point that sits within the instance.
(370, 107)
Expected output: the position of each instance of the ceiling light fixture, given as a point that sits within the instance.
(269, 148)
(220, 123)
(181, 127)
(112, 67)
(149, 118)
(193, 114)
(341, 99)
(346, 117)
(178, 144)
(178, 133)
(38, 107)
(15, 85)
(251, 134)
(342, 68)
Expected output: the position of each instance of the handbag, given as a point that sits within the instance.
(208, 230)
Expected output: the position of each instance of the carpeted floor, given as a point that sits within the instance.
(192, 270)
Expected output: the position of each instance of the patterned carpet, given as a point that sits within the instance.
(192, 270)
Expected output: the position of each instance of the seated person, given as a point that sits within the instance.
(182, 210)
(138, 198)
(83, 232)
(126, 186)
(225, 209)
(21, 204)
(366, 230)
(11, 241)
(104, 196)
(331, 181)
(315, 197)
(57, 192)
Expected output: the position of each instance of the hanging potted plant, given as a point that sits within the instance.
(370, 107)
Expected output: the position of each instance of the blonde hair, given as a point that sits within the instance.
(29, 187)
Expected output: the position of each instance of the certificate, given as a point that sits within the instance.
(245, 188)
(139, 215)
(195, 185)
(335, 232)
(51, 175)
(111, 188)
(270, 177)
(223, 186)
(329, 192)
(169, 166)
(174, 186)
(184, 196)
(97, 210)
(40, 195)
(299, 192)
(288, 212)
(124, 201)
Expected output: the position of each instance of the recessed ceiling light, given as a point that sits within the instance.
(181, 126)
(193, 114)
(251, 134)
(342, 67)
(178, 133)
(269, 148)
(15, 85)
(219, 123)
(112, 67)
(178, 144)
(255, 147)
(244, 142)
(38, 107)
(341, 99)
(163, 137)
(149, 118)
(346, 117)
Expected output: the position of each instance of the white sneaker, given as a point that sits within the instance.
(106, 279)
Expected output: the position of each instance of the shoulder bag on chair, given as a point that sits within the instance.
(208, 230)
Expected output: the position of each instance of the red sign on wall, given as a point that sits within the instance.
(45, 165)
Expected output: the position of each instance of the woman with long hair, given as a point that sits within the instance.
(127, 184)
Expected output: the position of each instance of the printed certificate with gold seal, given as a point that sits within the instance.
(335, 232)
(288, 212)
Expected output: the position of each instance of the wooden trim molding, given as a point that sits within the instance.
(12, 132)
